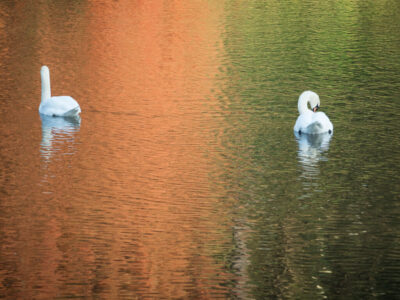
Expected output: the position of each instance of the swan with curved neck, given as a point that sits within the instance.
(311, 121)
(60, 106)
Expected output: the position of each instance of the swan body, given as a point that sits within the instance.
(60, 106)
(311, 121)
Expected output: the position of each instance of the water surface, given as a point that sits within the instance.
(183, 177)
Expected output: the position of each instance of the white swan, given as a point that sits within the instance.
(60, 106)
(311, 121)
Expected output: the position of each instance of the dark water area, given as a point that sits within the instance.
(183, 177)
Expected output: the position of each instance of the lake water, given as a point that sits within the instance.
(183, 178)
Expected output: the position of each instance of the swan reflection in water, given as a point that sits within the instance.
(311, 151)
(58, 133)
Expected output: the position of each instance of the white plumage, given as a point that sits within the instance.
(60, 106)
(310, 121)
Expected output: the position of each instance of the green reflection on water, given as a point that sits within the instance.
(326, 226)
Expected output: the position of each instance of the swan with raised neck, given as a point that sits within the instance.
(60, 106)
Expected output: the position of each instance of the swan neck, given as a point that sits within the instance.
(302, 104)
(45, 76)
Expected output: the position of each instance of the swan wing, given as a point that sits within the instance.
(73, 112)
(60, 106)
(313, 123)
(323, 120)
(303, 121)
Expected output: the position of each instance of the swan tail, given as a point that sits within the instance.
(72, 112)
(315, 127)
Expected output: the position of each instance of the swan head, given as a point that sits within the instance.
(45, 76)
(315, 104)
(308, 97)
(44, 71)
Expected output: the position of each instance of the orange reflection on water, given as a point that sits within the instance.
(122, 204)
(164, 58)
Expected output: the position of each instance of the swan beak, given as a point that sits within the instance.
(315, 108)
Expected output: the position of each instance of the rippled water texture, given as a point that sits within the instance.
(183, 177)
